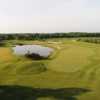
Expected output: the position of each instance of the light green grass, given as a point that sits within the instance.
(73, 65)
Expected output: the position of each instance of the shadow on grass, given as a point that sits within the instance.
(28, 93)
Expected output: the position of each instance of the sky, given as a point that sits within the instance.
(49, 16)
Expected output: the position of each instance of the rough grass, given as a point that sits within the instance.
(5, 54)
(74, 65)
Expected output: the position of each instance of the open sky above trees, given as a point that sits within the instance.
(49, 16)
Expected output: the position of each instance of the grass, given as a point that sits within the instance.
(73, 65)
(70, 60)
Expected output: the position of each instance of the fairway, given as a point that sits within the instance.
(74, 65)
(71, 58)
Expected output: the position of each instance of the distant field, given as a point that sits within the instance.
(73, 65)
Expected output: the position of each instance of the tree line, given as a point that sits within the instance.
(37, 36)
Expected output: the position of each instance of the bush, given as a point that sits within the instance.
(35, 56)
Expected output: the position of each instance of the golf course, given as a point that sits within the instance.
(72, 72)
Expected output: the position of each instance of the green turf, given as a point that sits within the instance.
(73, 65)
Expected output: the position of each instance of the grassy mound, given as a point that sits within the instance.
(23, 68)
(31, 68)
